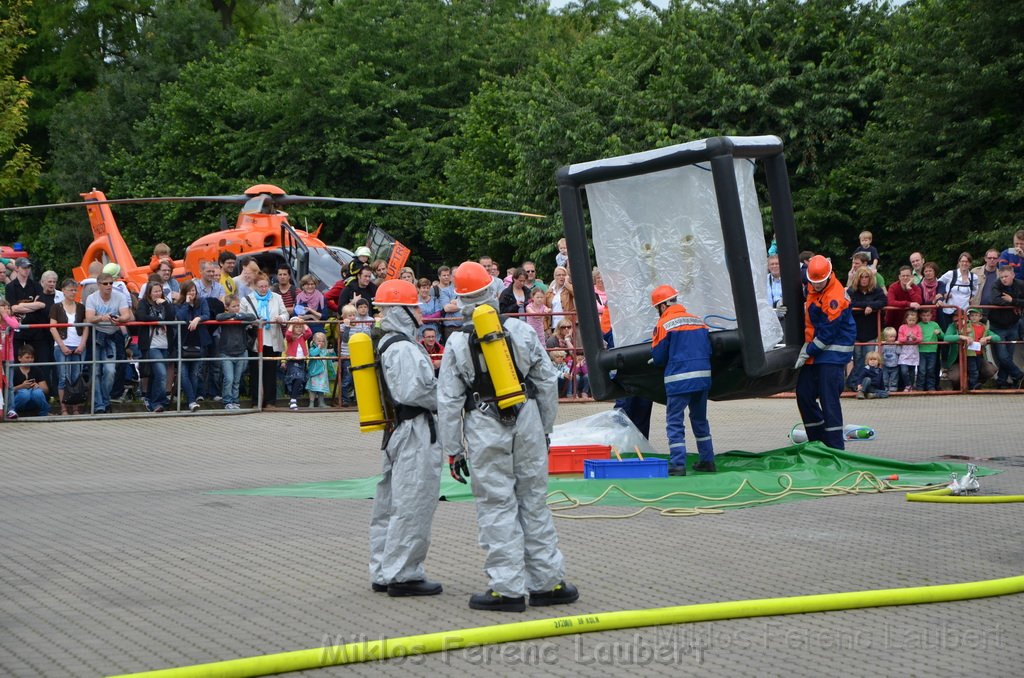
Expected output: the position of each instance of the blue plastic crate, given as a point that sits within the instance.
(627, 468)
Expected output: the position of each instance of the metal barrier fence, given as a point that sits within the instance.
(958, 317)
(575, 378)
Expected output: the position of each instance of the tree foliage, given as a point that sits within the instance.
(941, 166)
(19, 169)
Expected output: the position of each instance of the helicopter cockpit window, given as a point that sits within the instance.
(664, 228)
(258, 204)
(327, 263)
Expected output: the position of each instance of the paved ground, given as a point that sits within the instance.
(117, 558)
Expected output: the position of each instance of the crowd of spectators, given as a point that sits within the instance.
(236, 330)
(912, 328)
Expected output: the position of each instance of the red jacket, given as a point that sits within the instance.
(901, 299)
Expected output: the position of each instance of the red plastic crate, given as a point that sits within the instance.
(570, 458)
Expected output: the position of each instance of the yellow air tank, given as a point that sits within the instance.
(364, 378)
(497, 356)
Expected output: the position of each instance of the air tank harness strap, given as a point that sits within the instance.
(401, 411)
(483, 397)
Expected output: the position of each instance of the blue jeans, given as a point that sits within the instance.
(818, 387)
(120, 370)
(106, 370)
(891, 376)
(675, 426)
(348, 390)
(29, 402)
(859, 353)
(211, 375)
(1009, 373)
(908, 375)
(928, 371)
(69, 369)
(867, 387)
(189, 377)
(157, 377)
(232, 368)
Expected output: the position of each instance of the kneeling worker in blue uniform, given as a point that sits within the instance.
(682, 345)
(829, 335)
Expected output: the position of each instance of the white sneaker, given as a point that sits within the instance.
(193, 407)
(293, 405)
(200, 399)
(12, 415)
(217, 399)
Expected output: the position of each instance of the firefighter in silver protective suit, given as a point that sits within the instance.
(403, 506)
(508, 453)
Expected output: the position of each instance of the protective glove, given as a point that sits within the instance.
(780, 311)
(802, 358)
(458, 467)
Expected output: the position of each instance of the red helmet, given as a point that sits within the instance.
(396, 293)
(818, 269)
(663, 293)
(471, 278)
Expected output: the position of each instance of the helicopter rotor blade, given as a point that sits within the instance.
(133, 201)
(279, 200)
(298, 199)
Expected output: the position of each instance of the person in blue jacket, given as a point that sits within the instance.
(682, 345)
(829, 335)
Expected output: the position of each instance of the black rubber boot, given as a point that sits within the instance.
(562, 594)
(704, 466)
(379, 588)
(420, 587)
(497, 602)
(677, 470)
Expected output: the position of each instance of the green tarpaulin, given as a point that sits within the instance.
(807, 465)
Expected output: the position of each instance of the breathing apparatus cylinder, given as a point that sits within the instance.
(500, 367)
(367, 387)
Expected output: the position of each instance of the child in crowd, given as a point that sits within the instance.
(363, 321)
(869, 379)
(296, 351)
(928, 372)
(582, 378)
(564, 372)
(890, 360)
(869, 249)
(348, 394)
(321, 370)
(976, 335)
(161, 251)
(562, 258)
(541, 324)
(310, 304)
(910, 357)
(232, 350)
(358, 263)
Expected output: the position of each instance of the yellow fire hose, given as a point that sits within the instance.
(945, 496)
(375, 650)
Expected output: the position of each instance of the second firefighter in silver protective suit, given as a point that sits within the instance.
(508, 457)
(407, 494)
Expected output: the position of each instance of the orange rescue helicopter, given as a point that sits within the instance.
(262, 231)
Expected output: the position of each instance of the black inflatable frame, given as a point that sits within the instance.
(741, 368)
